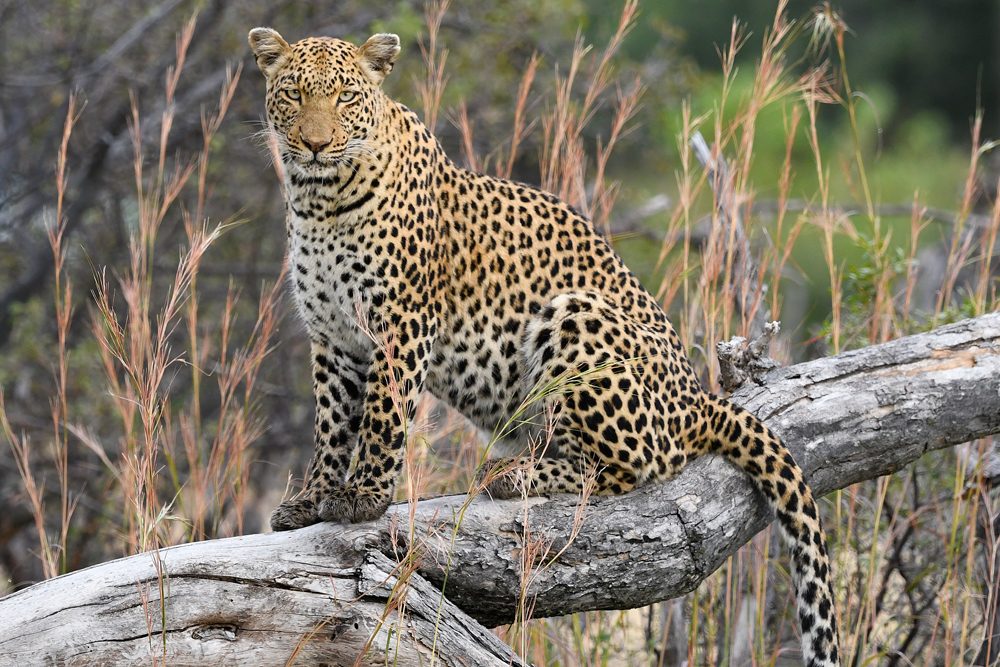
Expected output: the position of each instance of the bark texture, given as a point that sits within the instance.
(313, 597)
(322, 590)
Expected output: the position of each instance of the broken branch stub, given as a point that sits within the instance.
(740, 361)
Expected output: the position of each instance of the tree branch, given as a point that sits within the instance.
(253, 599)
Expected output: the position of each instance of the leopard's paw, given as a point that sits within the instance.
(352, 504)
(500, 480)
(294, 513)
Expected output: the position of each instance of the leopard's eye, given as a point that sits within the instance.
(347, 96)
(293, 94)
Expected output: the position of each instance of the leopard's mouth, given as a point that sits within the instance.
(316, 162)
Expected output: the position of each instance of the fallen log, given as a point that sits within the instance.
(331, 593)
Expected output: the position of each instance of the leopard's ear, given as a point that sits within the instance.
(270, 49)
(377, 56)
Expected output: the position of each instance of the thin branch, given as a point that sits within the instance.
(744, 276)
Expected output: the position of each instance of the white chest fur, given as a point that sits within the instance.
(329, 278)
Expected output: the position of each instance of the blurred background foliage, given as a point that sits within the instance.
(919, 71)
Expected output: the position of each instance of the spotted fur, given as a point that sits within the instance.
(481, 289)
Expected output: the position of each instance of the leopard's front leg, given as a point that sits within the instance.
(339, 379)
(398, 368)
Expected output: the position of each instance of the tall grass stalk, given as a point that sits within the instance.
(179, 474)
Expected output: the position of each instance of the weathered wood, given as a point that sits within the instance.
(251, 600)
(318, 593)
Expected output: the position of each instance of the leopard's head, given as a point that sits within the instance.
(324, 96)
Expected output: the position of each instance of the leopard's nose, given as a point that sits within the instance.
(314, 144)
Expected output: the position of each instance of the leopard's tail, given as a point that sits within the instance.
(743, 439)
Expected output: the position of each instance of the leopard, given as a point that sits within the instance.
(412, 274)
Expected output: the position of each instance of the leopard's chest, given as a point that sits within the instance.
(333, 277)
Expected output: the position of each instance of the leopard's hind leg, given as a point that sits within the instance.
(586, 362)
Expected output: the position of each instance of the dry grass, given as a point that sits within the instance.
(914, 555)
(174, 475)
